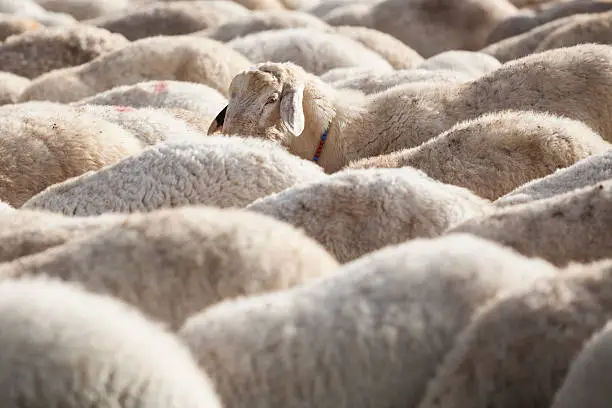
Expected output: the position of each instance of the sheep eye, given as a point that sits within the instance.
(272, 99)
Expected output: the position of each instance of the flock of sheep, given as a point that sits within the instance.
(305, 203)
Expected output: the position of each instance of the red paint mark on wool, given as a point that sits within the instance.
(161, 87)
(124, 109)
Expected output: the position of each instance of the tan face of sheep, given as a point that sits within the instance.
(265, 102)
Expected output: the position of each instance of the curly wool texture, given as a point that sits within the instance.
(161, 94)
(583, 173)
(349, 73)
(173, 263)
(25, 232)
(446, 67)
(180, 58)
(398, 54)
(299, 4)
(354, 212)
(11, 87)
(590, 370)
(258, 21)
(11, 25)
(371, 83)
(368, 336)
(90, 351)
(517, 350)
(526, 20)
(31, 9)
(429, 27)
(261, 4)
(150, 126)
(470, 63)
(531, 3)
(44, 143)
(86, 9)
(37, 52)
(595, 29)
(218, 171)
(572, 227)
(524, 44)
(198, 121)
(323, 8)
(174, 18)
(317, 52)
(498, 152)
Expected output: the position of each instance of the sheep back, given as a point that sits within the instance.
(218, 171)
(90, 351)
(354, 212)
(376, 329)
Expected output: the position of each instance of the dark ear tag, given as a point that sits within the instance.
(220, 119)
(217, 124)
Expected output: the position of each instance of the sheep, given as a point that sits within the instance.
(5, 207)
(43, 144)
(570, 227)
(518, 348)
(519, 23)
(218, 171)
(354, 212)
(150, 126)
(173, 263)
(429, 27)
(258, 21)
(301, 89)
(595, 29)
(369, 335)
(36, 52)
(586, 172)
(180, 58)
(86, 9)
(590, 370)
(65, 347)
(261, 4)
(11, 25)
(175, 18)
(31, 9)
(472, 64)
(317, 52)
(399, 55)
(370, 83)
(351, 14)
(28, 232)
(322, 8)
(527, 20)
(196, 120)
(11, 87)
(350, 73)
(161, 94)
(532, 3)
(497, 152)
(299, 4)
(524, 44)
(282, 102)
(449, 66)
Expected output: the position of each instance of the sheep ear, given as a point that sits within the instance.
(217, 124)
(292, 111)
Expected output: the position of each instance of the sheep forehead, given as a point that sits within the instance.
(254, 83)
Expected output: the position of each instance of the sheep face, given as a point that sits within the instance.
(265, 102)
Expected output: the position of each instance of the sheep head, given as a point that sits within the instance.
(275, 101)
